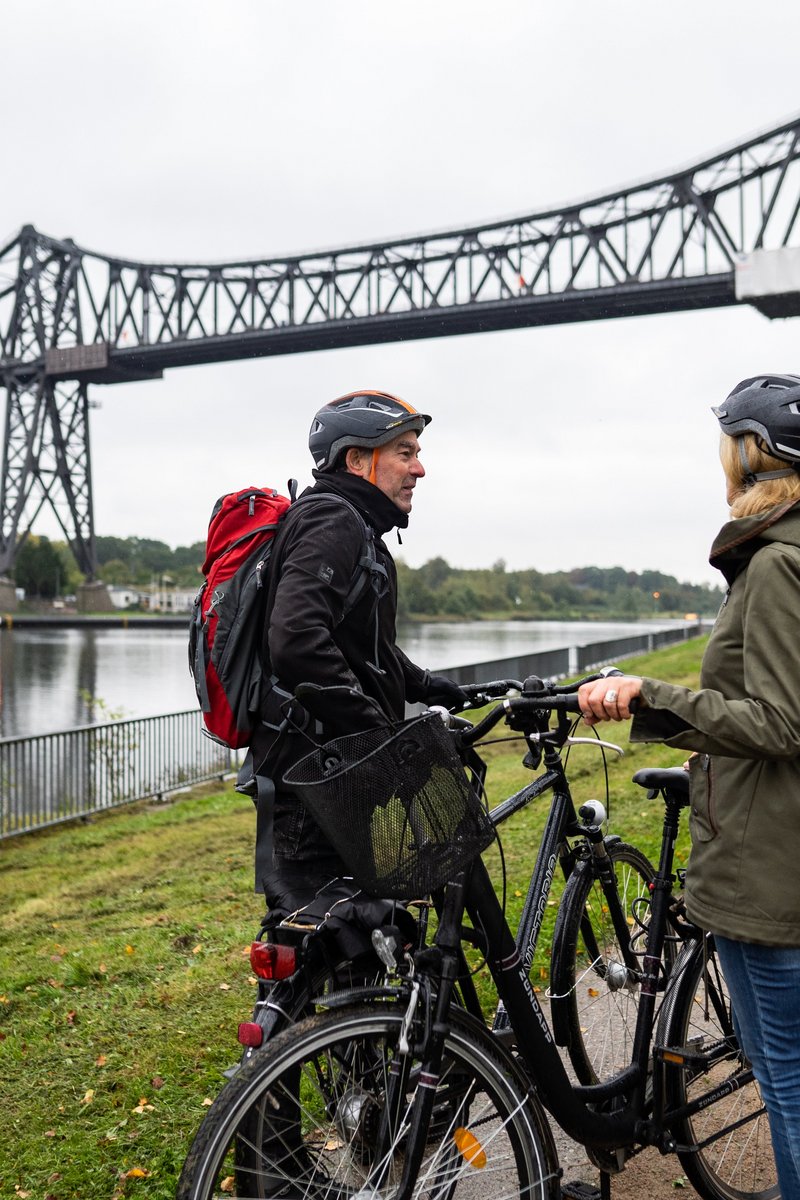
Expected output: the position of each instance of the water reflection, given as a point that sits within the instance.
(55, 679)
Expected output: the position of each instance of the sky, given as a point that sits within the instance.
(190, 131)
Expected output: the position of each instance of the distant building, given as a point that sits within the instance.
(167, 600)
(123, 597)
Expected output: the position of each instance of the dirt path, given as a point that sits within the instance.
(649, 1176)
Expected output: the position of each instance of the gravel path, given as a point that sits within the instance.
(648, 1176)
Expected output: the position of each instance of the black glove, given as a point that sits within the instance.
(445, 692)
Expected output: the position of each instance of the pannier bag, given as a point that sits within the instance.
(396, 804)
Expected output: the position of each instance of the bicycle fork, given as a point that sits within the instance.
(444, 957)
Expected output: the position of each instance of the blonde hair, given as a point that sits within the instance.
(752, 498)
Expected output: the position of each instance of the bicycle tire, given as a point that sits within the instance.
(593, 998)
(739, 1164)
(320, 1091)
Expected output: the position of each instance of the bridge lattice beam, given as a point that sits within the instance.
(69, 316)
(666, 244)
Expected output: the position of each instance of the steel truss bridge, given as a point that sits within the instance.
(720, 232)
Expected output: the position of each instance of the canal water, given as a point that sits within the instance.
(55, 679)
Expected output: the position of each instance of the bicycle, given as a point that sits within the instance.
(611, 876)
(412, 1095)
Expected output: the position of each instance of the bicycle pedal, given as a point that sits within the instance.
(506, 1037)
(577, 1190)
(682, 1056)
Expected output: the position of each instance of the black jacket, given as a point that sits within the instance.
(315, 558)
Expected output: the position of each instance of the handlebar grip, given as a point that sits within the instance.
(566, 700)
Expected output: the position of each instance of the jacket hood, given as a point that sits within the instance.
(741, 538)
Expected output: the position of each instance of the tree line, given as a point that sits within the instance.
(436, 589)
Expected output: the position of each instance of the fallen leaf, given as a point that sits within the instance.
(49, 1133)
(100, 1061)
(129, 949)
(227, 1183)
(88, 1097)
(20, 1192)
(157, 1081)
(197, 949)
(207, 1101)
(71, 1017)
(136, 1173)
(102, 968)
(224, 987)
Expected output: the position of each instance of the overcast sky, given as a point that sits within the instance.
(185, 130)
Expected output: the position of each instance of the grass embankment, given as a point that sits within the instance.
(124, 972)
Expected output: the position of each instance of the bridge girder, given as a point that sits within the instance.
(69, 316)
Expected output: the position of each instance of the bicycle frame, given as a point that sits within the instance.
(554, 850)
(577, 1109)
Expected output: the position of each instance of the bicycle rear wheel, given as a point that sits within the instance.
(594, 997)
(334, 1098)
(733, 1159)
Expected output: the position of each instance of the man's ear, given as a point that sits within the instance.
(357, 460)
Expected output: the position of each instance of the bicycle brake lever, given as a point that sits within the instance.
(590, 741)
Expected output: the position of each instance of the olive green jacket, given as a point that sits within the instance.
(743, 879)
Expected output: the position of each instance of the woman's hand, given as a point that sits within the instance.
(609, 699)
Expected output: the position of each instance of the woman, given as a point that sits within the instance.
(744, 728)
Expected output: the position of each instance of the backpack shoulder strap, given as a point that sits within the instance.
(368, 572)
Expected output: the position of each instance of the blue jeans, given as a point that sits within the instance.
(764, 984)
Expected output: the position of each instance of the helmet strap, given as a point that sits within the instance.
(373, 470)
(751, 477)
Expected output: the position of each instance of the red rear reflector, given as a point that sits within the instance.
(272, 962)
(250, 1034)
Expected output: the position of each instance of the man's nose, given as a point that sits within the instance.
(417, 468)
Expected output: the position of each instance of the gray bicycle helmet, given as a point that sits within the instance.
(366, 418)
(768, 406)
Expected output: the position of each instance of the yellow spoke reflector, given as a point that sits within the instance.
(470, 1147)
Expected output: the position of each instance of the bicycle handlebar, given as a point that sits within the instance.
(480, 694)
(519, 706)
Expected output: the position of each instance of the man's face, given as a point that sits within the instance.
(397, 468)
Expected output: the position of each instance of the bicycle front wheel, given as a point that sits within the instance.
(329, 1105)
(728, 1149)
(594, 996)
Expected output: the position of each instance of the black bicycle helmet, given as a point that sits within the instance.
(769, 406)
(366, 418)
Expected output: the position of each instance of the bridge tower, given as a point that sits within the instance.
(46, 453)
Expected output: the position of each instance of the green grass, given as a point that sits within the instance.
(123, 967)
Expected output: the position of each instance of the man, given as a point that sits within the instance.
(366, 449)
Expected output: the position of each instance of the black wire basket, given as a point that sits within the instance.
(397, 806)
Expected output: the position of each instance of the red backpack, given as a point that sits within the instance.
(227, 636)
(226, 632)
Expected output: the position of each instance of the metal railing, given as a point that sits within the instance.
(575, 660)
(57, 777)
